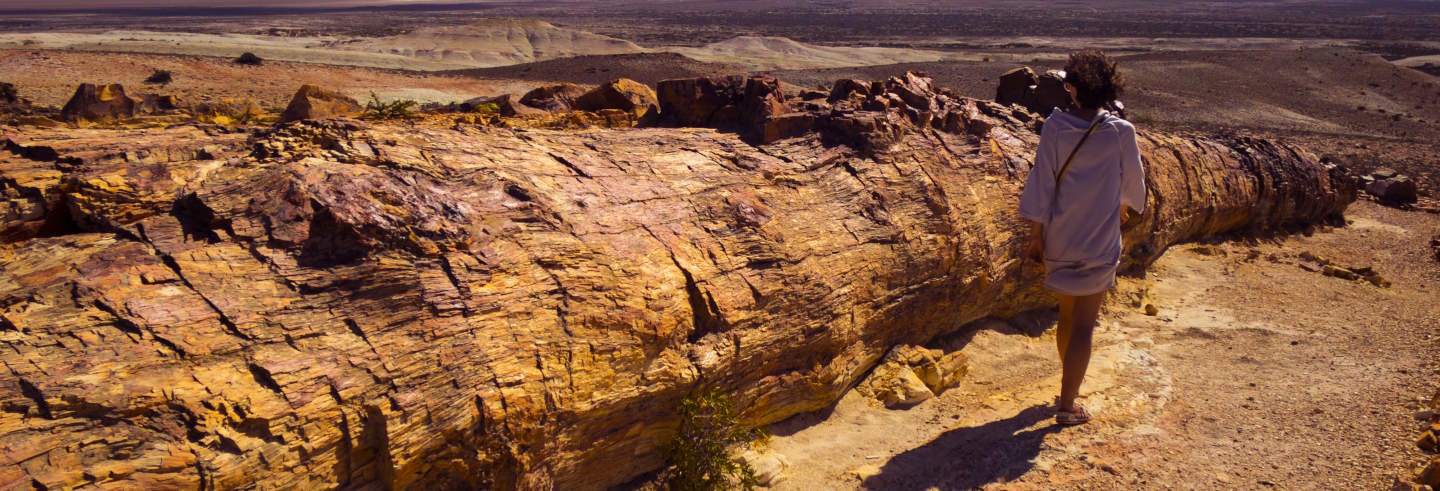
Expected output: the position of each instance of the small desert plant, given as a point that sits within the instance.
(160, 77)
(377, 109)
(249, 58)
(699, 455)
(488, 108)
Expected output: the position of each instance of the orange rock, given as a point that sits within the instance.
(314, 102)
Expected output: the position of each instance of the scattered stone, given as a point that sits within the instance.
(554, 98)
(1309, 256)
(769, 466)
(1394, 191)
(99, 103)
(314, 102)
(1435, 246)
(1151, 310)
(909, 375)
(1383, 173)
(623, 94)
(1339, 272)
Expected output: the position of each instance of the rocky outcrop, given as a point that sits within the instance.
(505, 105)
(314, 102)
(553, 98)
(99, 103)
(1037, 93)
(8, 94)
(634, 98)
(335, 304)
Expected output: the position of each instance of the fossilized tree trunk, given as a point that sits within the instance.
(331, 304)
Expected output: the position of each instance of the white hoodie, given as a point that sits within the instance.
(1082, 225)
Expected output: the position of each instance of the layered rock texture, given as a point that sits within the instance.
(329, 303)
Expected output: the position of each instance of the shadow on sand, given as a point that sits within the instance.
(966, 458)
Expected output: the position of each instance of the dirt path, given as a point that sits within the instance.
(1255, 374)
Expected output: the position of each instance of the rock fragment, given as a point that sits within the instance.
(909, 375)
(635, 98)
(99, 103)
(315, 102)
(554, 98)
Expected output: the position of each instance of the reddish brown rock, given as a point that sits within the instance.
(99, 103)
(553, 98)
(705, 102)
(1036, 93)
(627, 95)
(314, 102)
(336, 304)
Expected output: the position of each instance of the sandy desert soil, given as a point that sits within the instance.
(1256, 374)
(48, 78)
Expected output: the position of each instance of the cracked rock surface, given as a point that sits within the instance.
(332, 303)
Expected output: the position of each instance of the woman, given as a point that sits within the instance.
(1087, 171)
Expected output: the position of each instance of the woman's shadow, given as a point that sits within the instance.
(967, 458)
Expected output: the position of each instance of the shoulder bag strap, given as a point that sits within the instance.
(1056, 193)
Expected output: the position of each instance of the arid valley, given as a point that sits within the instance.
(594, 245)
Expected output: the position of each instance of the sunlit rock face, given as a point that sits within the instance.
(333, 303)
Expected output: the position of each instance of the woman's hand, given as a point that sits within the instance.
(1035, 250)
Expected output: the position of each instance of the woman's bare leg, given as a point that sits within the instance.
(1064, 327)
(1075, 348)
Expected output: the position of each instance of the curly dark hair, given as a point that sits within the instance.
(1095, 78)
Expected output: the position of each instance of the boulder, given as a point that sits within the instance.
(1049, 94)
(314, 102)
(703, 102)
(1036, 93)
(553, 98)
(1395, 191)
(8, 94)
(99, 103)
(1015, 86)
(844, 89)
(624, 94)
(762, 100)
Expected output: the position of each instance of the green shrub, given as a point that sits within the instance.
(699, 455)
(377, 109)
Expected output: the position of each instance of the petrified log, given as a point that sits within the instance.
(336, 304)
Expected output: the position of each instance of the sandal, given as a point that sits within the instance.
(1079, 416)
